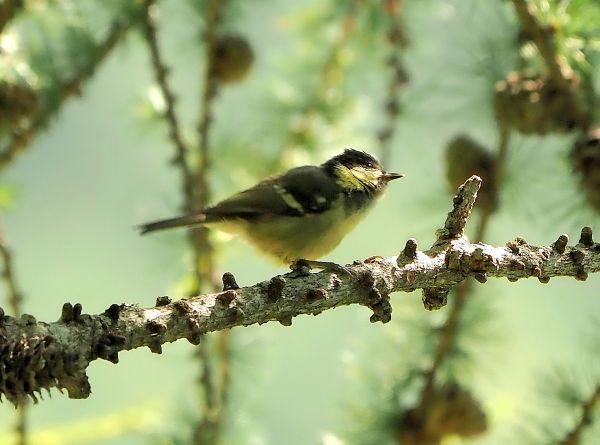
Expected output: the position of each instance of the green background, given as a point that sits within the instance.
(99, 170)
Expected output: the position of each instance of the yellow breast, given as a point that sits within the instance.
(287, 239)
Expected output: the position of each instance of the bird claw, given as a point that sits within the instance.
(302, 268)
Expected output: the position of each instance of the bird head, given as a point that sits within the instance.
(355, 170)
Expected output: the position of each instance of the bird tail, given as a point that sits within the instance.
(180, 221)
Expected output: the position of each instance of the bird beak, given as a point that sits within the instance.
(391, 176)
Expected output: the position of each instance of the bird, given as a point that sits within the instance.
(297, 216)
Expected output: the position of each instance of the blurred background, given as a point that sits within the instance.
(114, 112)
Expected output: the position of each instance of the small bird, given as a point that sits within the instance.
(299, 215)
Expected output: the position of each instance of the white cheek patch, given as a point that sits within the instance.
(364, 175)
(359, 173)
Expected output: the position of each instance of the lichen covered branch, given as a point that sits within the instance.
(36, 355)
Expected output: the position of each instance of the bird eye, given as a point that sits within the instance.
(370, 164)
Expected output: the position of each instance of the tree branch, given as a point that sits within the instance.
(202, 246)
(36, 355)
(160, 73)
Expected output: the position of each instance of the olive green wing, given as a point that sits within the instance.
(297, 192)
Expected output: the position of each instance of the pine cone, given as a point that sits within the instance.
(451, 410)
(232, 57)
(535, 104)
(585, 157)
(465, 157)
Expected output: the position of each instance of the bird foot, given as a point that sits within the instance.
(302, 268)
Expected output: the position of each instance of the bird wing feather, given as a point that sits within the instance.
(297, 192)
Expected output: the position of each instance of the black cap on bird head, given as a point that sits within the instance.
(352, 158)
(357, 170)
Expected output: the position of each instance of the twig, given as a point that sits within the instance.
(21, 424)
(543, 41)
(209, 92)
(398, 79)
(224, 358)
(8, 10)
(202, 246)
(199, 242)
(216, 386)
(160, 72)
(573, 437)
(195, 190)
(70, 88)
(40, 355)
(557, 67)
